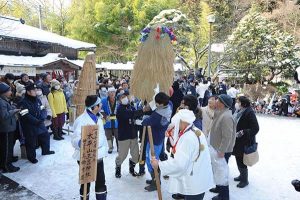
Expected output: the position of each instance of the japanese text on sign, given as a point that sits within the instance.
(88, 154)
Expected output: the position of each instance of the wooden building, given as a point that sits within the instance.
(24, 48)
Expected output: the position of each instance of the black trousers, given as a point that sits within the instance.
(240, 163)
(100, 186)
(6, 148)
(233, 105)
(30, 144)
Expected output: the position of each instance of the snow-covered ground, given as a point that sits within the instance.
(56, 177)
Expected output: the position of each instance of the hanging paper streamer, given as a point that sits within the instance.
(161, 32)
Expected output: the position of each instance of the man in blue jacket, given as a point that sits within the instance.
(33, 124)
(127, 134)
(109, 107)
(159, 121)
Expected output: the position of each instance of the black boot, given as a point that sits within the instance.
(243, 178)
(152, 187)
(55, 134)
(131, 168)
(33, 161)
(60, 133)
(223, 193)
(10, 169)
(296, 184)
(215, 190)
(148, 182)
(237, 179)
(178, 196)
(101, 196)
(118, 171)
(142, 170)
(14, 159)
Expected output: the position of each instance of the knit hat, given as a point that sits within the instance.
(226, 100)
(20, 88)
(54, 83)
(4, 88)
(30, 87)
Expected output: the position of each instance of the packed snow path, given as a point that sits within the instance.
(56, 177)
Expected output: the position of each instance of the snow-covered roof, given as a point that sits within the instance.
(80, 63)
(39, 62)
(28, 60)
(129, 66)
(117, 66)
(13, 28)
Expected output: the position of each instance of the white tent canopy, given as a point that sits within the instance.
(13, 28)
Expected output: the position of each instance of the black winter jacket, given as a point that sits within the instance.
(248, 123)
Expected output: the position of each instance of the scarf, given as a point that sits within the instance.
(238, 114)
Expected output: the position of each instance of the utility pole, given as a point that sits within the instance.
(40, 16)
(211, 19)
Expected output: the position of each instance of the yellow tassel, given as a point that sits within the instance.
(142, 162)
(198, 132)
(202, 147)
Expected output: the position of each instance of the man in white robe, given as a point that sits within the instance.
(190, 170)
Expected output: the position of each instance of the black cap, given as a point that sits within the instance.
(9, 76)
(22, 75)
(226, 100)
(30, 87)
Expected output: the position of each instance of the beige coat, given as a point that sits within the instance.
(222, 133)
(208, 116)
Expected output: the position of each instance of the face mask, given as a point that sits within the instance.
(237, 106)
(39, 93)
(125, 101)
(57, 87)
(103, 89)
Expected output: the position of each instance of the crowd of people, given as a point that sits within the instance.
(286, 105)
(196, 127)
(190, 106)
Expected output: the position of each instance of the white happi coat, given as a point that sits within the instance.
(188, 177)
(83, 120)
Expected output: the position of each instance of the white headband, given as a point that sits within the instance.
(96, 103)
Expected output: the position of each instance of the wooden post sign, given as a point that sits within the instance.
(88, 156)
